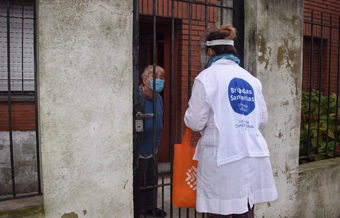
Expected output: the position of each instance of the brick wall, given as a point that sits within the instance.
(23, 116)
(325, 43)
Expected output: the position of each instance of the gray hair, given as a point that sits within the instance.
(149, 70)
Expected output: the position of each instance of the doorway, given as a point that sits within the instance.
(163, 59)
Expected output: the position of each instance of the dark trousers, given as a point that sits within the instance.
(148, 180)
(249, 214)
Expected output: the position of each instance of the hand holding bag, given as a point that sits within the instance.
(184, 174)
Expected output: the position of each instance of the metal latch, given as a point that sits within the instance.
(140, 115)
(139, 123)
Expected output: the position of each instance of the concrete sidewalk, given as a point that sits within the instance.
(22, 208)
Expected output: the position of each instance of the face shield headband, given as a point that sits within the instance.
(220, 42)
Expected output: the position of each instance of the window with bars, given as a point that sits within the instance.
(19, 49)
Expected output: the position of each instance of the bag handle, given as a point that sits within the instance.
(187, 136)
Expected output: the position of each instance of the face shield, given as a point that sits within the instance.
(204, 58)
(204, 44)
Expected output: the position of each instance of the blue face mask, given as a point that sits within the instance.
(159, 85)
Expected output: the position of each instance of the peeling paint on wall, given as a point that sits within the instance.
(288, 174)
(268, 204)
(263, 56)
(69, 215)
(289, 56)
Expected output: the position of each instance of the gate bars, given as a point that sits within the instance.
(194, 16)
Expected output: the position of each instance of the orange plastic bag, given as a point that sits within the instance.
(184, 174)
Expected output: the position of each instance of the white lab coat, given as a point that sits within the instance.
(233, 158)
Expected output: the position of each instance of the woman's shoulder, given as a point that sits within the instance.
(204, 73)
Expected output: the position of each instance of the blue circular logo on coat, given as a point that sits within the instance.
(241, 96)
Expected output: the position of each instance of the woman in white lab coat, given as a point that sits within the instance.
(227, 107)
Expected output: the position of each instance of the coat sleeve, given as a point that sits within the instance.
(197, 114)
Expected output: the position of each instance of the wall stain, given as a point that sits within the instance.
(69, 215)
(84, 212)
(290, 59)
(263, 49)
(285, 103)
(284, 55)
(125, 183)
(280, 134)
(288, 174)
(297, 87)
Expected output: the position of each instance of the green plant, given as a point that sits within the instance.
(328, 134)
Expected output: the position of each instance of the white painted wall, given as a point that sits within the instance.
(85, 96)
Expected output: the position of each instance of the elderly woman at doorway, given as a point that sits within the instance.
(227, 107)
(148, 169)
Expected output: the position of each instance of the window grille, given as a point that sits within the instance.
(21, 48)
(319, 136)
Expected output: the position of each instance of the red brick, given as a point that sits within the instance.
(3, 108)
(26, 108)
(26, 127)
(3, 115)
(23, 120)
(26, 114)
(3, 122)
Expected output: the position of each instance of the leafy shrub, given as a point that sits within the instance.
(328, 135)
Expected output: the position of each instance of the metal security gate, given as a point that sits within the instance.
(319, 136)
(167, 33)
(19, 144)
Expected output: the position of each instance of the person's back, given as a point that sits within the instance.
(228, 108)
(229, 86)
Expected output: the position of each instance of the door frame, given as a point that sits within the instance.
(164, 26)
